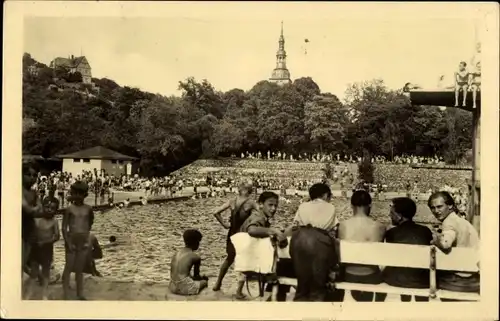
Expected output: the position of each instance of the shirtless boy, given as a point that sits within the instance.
(76, 226)
(181, 280)
(461, 82)
(46, 234)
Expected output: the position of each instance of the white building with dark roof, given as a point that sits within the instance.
(100, 158)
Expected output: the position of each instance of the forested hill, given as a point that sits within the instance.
(62, 115)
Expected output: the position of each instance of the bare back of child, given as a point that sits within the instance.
(77, 223)
(185, 260)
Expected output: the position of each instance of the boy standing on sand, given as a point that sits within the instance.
(181, 281)
(46, 234)
(76, 225)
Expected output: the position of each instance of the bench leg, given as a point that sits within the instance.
(274, 296)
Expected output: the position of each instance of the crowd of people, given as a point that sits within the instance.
(330, 157)
(223, 181)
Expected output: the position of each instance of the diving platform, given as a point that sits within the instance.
(445, 97)
(440, 97)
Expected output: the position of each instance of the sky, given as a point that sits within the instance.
(155, 53)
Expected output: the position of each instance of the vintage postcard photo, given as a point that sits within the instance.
(250, 160)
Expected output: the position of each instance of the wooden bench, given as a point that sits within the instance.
(401, 255)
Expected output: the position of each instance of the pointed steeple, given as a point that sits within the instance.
(282, 39)
(281, 75)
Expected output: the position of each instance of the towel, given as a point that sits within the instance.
(253, 254)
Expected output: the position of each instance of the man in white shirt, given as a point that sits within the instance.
(456, 232)
(312, 247)
(318, 212)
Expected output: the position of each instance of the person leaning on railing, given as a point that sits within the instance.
(455, 232)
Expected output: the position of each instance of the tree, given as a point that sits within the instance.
(307, 88)
(169, 132)
(365, 168)
(233, 101)
(325, 120)
(75, 77)
(227, 138)
(202, 96)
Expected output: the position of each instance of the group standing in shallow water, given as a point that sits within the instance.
(40, 230)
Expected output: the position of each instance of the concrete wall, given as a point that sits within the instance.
(76, 166)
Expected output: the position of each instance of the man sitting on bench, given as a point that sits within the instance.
(361, 228)
(406, 231)
(456, 232)
(312, 247)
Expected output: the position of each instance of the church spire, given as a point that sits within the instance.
(280, 74)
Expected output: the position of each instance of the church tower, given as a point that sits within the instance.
(281, 75)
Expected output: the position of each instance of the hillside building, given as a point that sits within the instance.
(74, 64)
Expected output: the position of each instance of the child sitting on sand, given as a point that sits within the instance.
(46, 234)
(181, 281)
(77, 223)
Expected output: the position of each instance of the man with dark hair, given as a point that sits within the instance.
(312, 247)
(456, 232)
(318, 211)
(181, 280)
(402, 211)
(361, 228)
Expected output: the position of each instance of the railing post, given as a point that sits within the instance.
(433, 276)
(473, 215)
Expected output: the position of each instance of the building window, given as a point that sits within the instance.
(120, 162)
(76, 160)
(113, 161)
(86, 160)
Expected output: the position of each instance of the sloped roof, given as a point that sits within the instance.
(68, 62)
(98, 152)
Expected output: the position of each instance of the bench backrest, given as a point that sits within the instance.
(403, 255)
(385, 254)
(459, 259)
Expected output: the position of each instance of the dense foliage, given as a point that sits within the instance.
(169, 132)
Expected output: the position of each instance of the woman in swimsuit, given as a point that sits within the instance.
(241, 208)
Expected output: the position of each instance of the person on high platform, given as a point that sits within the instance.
(462, 81)
(475, 75)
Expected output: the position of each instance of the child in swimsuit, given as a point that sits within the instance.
(46, 234)
(77, 223)
(461, 82)
(181, 280)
